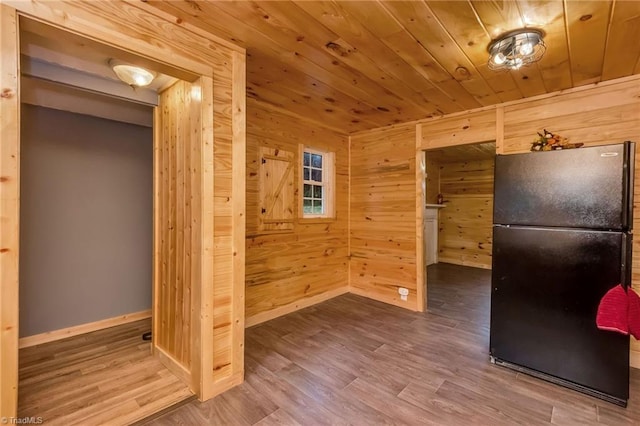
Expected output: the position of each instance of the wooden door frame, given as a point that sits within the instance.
(9, 209)
(201, 114)
(421, 268)
(165, 48)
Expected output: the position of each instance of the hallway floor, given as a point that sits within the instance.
(104, 377)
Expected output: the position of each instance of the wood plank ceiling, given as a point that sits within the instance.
(354, 65)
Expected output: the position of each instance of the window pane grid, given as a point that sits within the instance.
(313, 185)
(312, 173)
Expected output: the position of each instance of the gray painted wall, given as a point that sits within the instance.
(85, 220)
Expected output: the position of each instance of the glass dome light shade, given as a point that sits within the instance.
(132, 75)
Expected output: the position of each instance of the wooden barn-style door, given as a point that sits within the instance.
(277, 202)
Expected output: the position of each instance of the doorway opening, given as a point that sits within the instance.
(98, 206)
(458, 215)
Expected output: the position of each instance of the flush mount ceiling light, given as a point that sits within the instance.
(516, 48)
(131, 74)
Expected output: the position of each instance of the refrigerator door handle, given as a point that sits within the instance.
(627, 247)
(629, 154)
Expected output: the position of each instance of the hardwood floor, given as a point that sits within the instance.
(352, 360)
(105, 377)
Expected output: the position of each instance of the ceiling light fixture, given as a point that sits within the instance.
(131, 74)
(516, 48)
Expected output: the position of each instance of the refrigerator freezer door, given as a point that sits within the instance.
(546, 287)
(578, 188)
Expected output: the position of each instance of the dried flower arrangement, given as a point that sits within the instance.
(548, 141)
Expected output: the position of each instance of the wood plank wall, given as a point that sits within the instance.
(164, 41)
(602, 113)
(383, 209)
(287, 270)
(469, 127)
(177, 184)
(465, 224)
(598, 116)
(432, 181)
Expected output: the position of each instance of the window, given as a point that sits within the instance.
(317, 183)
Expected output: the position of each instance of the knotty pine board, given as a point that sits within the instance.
(432, 187)
(383, 208)
(471, 127)
(286, 267)
(465, 225)
(175, 220)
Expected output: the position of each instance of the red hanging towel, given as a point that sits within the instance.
(634, 313)
(613, 311)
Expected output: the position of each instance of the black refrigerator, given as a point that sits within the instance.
(561, 240)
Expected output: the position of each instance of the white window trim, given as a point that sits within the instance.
(328, 183)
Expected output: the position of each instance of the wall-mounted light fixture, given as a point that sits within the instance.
(516, 48)
(131, 74)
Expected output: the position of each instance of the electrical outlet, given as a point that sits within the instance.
(403, 292)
